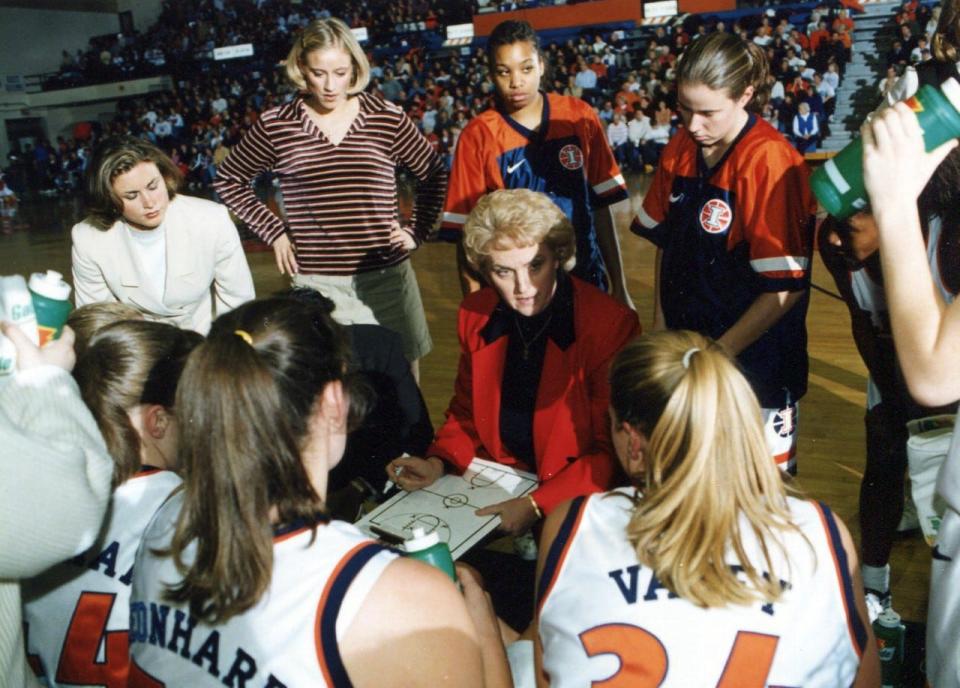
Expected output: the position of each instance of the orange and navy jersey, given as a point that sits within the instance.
(77, 613)
(605, 617)
(729, 234)
(318, 584)
(567, 158)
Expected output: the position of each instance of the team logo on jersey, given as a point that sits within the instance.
(571, 157)
(715, 216)
(784, 423)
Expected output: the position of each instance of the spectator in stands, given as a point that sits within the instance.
(597, 64)
(843, 21)
(832, 75)
(806, 128)
(664, 116)
(607, 112)
(769, 115)
(897, 55)
(887, 83)
(776, 90)
(586, 80)
(336, 149)
(656, 141)
(8, 206)
(931, 28)
(827, 95)
(820, 36)
(638, 130)
(617, 137)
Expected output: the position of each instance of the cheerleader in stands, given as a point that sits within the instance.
(242, 578)
(705, 571)
(128, 378)
(543, 142)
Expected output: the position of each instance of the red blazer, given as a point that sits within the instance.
(571, 428)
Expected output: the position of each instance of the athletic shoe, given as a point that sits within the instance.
(877, 603)
(910, 521)
(525, 546)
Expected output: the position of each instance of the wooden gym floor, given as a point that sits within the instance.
(831, 445)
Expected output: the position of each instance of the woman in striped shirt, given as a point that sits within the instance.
(336, 150)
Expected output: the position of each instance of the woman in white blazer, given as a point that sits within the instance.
(175, 258)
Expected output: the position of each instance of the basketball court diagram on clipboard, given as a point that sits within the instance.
(447, 507)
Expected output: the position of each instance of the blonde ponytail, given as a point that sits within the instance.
(707, 469)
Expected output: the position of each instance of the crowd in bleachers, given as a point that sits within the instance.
(628, 79)
(910, 43)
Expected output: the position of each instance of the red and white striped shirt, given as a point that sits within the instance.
(340, 200)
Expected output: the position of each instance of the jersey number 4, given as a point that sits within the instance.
(88, 629)
(644, 664)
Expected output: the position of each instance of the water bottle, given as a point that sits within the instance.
(16, 307)
(428, 548)
(890, 633)
(51, 302)
(838, 184)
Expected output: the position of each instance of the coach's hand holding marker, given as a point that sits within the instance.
(413, 473)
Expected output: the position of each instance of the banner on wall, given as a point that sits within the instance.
(459, 35)
(660, 8)
(230, 52)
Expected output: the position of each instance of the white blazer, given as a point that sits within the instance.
(207, 272)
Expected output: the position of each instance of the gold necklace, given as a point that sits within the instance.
(523, 340)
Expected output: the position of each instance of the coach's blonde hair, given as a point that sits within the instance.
(706, 465)
(322, 34)
(726, 61)
(520, 217)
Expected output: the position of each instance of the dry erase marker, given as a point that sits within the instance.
(391, 483)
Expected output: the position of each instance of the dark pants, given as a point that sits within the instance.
(884, 478)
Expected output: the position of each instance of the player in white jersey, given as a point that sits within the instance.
(926, 332)
(849, 251)
(77, 613)
(241, 580)
(709, 574)
(322, 573)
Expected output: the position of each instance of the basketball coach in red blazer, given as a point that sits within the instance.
(535, 349)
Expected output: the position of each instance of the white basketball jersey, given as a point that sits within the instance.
(77, 613)
(289, 638)
(605, 618)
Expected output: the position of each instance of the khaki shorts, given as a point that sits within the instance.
(389, 297)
